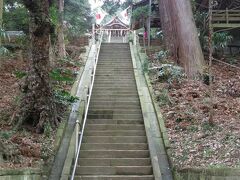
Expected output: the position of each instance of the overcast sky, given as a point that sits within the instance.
(97, 3)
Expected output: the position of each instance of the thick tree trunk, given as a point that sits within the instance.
(168, 28)
(190, 51)
(37, 105)
(61, 43)
(1, 17)
(181, 35)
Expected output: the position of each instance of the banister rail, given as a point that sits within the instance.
(79, 134)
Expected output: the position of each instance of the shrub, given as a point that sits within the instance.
(171, 73)
(64, 97)
(161, 55)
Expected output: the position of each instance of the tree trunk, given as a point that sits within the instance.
(210, 73)
(181, 35)
(1, 18)
(61, 44)
(37, 104)
(168, 28)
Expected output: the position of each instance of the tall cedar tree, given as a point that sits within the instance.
(37, 105)
(181, 35)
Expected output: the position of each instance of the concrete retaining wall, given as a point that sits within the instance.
(208, 174)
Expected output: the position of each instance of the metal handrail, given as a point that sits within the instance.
(87, 107)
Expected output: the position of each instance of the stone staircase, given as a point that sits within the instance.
(114, 145)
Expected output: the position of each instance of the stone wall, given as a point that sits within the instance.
(208, 174)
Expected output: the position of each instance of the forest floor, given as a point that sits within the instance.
(26, 148)
(185, 107)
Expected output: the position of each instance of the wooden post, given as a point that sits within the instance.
(227, 16)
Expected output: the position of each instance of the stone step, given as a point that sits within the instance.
(114, 154)
(115, 107)
(113, 121)
(114, 72)
(116, 111)
(114, 76)
(114, 146)
(115, 85)
(103, 58)
(107, 127)
(119, 89)
(108, 63)
(104, 55)
(107, 59)
(114, 143)
(115, 133)
(115, 88)
(95, 102)
(114, 94)
(116, 116)
(115, 91)
(115, 63)
(114, 162)
(114, 79)
(115, 53)
(120, 70)
(116, 99)
(114, 170)
(115, 82)
(116, 68)
(114, 139)
(116, 177)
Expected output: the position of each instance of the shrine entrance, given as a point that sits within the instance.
(116, 31)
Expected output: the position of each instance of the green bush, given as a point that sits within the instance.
(64, 97)
(20, 74)
(171, 73)
(221, 39)
(161, 55)
(140, 12)
(4, 51)
(62, 75)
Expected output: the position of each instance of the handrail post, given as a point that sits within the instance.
(77, 136)
(93, 33)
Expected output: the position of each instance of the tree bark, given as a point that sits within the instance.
(1, 18)
(61, 44)
(168, 28)
(210, 40)
(37, 105)
(181, 35)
